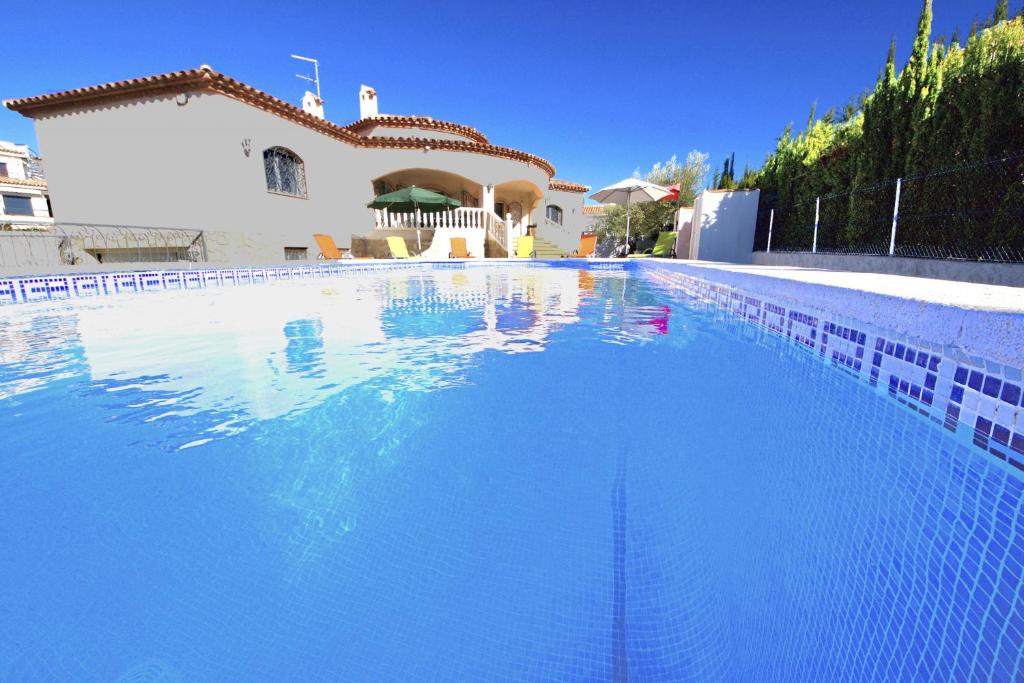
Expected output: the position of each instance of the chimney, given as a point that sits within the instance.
(367, 102)
(311, 104)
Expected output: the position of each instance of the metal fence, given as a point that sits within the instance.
(66, 244)
(971, 211)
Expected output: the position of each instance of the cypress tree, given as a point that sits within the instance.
(1002, 11)
(921, 123)
(947, 107)
(912, 83)
(917, 67)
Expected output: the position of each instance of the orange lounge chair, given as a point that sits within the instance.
(328, 249)
(588, 243)
(459, 248)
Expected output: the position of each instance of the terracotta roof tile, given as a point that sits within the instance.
(4, 149)
(594, 210)
(566, 186)
(205, 79)
(22, 182)
(394, 121)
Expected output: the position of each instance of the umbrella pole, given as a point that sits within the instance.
(419, 242)
(629, 193)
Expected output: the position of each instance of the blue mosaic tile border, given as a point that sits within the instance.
(959, 392)
(16, 290)
(30, 289)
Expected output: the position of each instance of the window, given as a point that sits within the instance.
(554, 214)
(3, 170)
(17, 205)
(296, 253)
(285, 172)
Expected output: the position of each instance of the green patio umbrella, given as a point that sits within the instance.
(415, 199)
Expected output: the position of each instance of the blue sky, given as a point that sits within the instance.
(598, 89)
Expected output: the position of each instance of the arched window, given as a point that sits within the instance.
(285, 171)
(554, 213)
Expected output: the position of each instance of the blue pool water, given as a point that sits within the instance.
(493, 473)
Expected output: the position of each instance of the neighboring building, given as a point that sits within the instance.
(196, 149)
(591, 214)
(24, 201)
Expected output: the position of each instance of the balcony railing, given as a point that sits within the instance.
(468, 218)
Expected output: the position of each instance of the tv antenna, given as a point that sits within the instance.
(316, 73)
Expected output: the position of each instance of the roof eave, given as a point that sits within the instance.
(206, 79)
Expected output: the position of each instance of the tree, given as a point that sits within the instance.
(688, 175)
(726, 180)
(955, 106)
(647, 218)
(1001, 12)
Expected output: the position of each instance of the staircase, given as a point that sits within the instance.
(558, 235)
(544, 248)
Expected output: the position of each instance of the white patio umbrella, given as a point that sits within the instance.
(630, 190)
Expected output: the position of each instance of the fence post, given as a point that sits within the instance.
(895, 217)
(771, 221)
(817, 206)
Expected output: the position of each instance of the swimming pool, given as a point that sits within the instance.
(500, 472)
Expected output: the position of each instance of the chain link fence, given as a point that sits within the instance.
(972, 212)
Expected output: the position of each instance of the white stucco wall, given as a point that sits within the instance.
(184, 166)
(723, 226)
(15, 162)
(566, 236)
(684, 231)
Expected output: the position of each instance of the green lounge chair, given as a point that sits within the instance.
(665, 247)
(524, 247)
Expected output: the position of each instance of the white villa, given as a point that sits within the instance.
(198, 150)
(24, 199)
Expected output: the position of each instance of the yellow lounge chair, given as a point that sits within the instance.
(398, 248)
(328, 249)
(524, 247)
(459, 248)
(588, 243)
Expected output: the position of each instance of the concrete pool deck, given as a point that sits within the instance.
(981, 322)
(943, 292)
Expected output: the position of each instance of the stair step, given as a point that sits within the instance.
(543, 248)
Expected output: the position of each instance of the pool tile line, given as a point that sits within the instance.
(36, 288)
(15, 290)
(953, 389)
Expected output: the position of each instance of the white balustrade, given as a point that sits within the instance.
(462, 217)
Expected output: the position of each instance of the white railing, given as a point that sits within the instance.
(457, 218)
(466, 218)
(498, 230)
